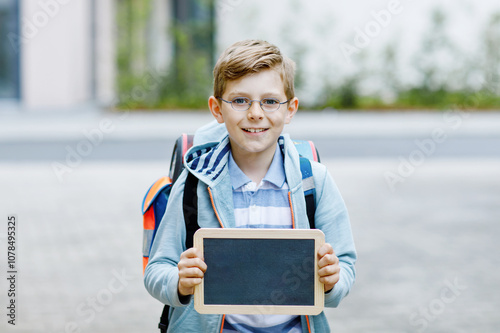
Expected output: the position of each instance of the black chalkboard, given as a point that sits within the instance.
(249, 270)
(261, 273)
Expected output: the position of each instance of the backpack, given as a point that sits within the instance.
(155, 201)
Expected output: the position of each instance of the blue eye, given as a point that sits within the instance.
(270, 101)
(240, 100)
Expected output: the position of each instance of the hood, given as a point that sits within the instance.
(209, 160)
(211, 132)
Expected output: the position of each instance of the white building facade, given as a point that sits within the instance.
(59, 54)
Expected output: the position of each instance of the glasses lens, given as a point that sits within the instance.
(270, 104)
(240, 103)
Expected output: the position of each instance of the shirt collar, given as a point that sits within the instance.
(238, 178)
(275, 175)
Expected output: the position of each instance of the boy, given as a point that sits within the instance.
(250, 178)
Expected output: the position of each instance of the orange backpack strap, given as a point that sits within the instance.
(151, 222)
(153, 192)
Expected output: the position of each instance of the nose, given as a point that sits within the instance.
(255, 111)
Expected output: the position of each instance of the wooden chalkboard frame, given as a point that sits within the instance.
(290, 234)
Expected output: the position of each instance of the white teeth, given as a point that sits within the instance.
(255, 130)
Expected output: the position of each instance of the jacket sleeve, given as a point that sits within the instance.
(161, 275)
(332, 218)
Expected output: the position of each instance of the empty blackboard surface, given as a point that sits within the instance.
(267, 271)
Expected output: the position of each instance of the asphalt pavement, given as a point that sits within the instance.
(425, 214)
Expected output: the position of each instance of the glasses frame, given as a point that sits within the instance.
(255, 100)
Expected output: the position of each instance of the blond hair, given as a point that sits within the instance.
(249, 57)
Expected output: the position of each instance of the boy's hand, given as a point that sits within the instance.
(329, 269)
(191, 270)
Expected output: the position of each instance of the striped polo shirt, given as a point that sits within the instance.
(263, 205)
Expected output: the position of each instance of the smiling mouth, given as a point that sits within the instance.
(255, 130)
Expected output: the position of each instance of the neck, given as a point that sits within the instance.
(253, 165)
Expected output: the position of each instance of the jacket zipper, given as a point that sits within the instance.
(213, 206)
(222, 226)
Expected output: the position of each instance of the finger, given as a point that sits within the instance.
(329, 270)
(192, 253)
(192, 258)
(188, 273)
(186, 286)
(328, 259)
(325, 249)
(330, 280)
(187, 283)
(192, 263)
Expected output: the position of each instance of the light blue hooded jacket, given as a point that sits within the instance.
(207, 160)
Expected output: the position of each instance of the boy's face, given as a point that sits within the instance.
(254, 131)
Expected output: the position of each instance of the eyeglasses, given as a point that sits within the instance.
(243, 103)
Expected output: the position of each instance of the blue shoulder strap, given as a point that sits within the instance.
(309, 189)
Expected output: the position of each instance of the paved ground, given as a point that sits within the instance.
(425, 229)
(427, 250)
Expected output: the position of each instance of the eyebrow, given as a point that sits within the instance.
(244, 94)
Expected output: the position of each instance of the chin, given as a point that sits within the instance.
(260, 149)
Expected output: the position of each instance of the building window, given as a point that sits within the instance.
(9, 49)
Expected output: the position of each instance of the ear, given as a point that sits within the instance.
(293, 106)
(215, 109)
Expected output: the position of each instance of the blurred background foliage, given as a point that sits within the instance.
(471, 81)
(187, 82)
(438, 87)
